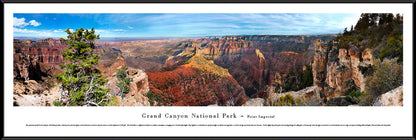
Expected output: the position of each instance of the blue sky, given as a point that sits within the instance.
(182, 24)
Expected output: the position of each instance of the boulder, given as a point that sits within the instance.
(391, 98)
(255, 102)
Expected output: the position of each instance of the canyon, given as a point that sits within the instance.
(360, 66)
(202, 71)
(210, 71)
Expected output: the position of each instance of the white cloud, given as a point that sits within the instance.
(129, 27)
(18, 30)
(119, 30)
(34, 23)
(62, 30)
(101, 31)
(47, 33)
(59, 30)
(20, 22)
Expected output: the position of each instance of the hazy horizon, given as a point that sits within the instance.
(147, 38)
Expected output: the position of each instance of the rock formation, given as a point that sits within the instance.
(196, 81)
(254, 60)
(391, 98)
(305, 97)
(255, 102)
(220, 70)
(34, 68)
(337, 70)
(319, 66)
(137, 87)
(31, 93)
(46, 50)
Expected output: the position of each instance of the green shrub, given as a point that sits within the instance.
(113, 101)
(297, 80)
(354, 97)
(388, 75)
(286, 100)
(153, 97)
(366, 99)
(123, 81)
(394, 47)
(57, 103)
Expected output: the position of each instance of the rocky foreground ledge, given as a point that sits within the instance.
(391, 98)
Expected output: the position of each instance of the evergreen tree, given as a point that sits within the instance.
(389, 18)
(363, 23)
(82, 83)
(345, 31)
(385, 18)
(397, 18)
(373, 19)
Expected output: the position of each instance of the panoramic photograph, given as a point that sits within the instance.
(207, 59)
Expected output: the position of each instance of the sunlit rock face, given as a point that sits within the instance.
(195, 81)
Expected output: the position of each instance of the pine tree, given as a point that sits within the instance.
(82, 83)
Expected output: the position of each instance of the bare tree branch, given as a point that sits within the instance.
(89, 89)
